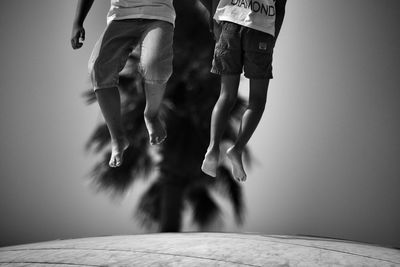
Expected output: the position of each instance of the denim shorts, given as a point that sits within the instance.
(241, 48)
(120, 37)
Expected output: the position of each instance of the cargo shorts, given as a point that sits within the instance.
(241, 48)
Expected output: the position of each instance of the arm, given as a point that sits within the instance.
(280, 14)
(216, 28)
(211, 6)
(78, 32)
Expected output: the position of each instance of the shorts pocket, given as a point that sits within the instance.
(259, 42)
(229, 38)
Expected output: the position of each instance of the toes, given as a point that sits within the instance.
(153, 140)
(117, 151)
(117, 162)
(156, 140)
(111, 163)
(239, 175)
(157, 133)
(241, 179)
(236, 165)
(161, 139)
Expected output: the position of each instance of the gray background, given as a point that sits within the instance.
(327, 148)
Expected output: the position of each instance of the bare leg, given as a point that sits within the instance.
(154, 96)
(219, 120)
(250, 120)
(156, 63)
(110, 105)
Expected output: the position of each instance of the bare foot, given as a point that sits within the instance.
(210, 163)
(118, 148)
(237, 164)
(157, 133)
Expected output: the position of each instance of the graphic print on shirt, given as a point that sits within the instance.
(255, 6)
(256, 14)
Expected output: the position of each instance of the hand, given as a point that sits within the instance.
(78, 36)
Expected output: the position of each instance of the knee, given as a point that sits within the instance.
(156, 72)
(157, 68)
(102, 76)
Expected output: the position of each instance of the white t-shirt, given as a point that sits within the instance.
(142, 9)
(256, 14)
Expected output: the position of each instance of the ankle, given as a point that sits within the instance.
(235, 149)
(150, 116)
(214, 149)
(119, 139)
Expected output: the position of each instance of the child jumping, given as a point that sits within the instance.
(148, 23)
(249, 30)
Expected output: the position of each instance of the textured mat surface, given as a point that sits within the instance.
(199, 249)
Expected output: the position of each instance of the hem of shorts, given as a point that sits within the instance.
(156, 81)
(258, 76)
(170, 20)
(95, 88)
(224, 72)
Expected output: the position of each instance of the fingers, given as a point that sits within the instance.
(77, 39)
(75, 43)
(82, 35)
